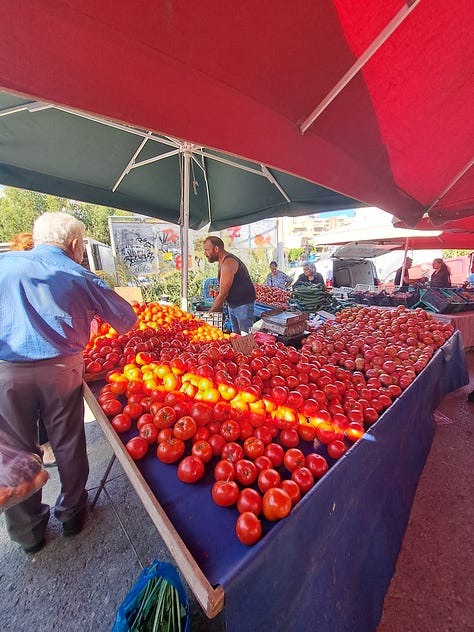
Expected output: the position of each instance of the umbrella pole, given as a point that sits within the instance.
(404, 261)
(185, 230)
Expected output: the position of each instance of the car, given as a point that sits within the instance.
(348, 265)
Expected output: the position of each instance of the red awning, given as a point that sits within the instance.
(246, 78)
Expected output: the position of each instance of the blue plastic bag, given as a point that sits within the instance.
(157, 569)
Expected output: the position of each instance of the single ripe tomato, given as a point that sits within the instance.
(275, 452)
(307, 432)
(201, 413)
(164, 417)
(225, 493)
(248, 528)
(263, 463)
(317, 464)
(276, 504)
(170, 450)
(201, 434)
(203, 450)
(293, 458)
(304, 478)
(268, 478)
(233, 452)
(111, 407)
(121, 422)
(190, 469)
(292, 489)
(250, 500)
(230, 430)
(224, 470)
(253, 447)
(217, 443)
(289, 437)
(149, 432)
(245, 472)
(264, 434)
(137, 447)
(336, 449)
(185, 428)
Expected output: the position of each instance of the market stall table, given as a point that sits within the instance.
(328, 565)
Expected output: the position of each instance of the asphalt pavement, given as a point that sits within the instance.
(79, 583)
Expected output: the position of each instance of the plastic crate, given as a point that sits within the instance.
(365, 287)
(467, 296)
(216, 319)
(438, 302)
(409, 299)
(382, 300)
(459, 301)
(209, 286)
(342, 293)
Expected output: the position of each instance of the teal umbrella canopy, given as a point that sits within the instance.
(63, 152)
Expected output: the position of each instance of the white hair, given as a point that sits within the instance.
(57, 228)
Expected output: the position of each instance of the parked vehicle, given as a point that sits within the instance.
(349, 265)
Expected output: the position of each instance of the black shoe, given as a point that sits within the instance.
(74, 525)
(35, 548)
(470, 397)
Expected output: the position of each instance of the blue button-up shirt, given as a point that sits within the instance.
(47, 302)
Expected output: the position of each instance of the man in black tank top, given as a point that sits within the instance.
(235, 285)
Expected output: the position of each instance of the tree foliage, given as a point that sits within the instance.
(452, 254)
(19, 208)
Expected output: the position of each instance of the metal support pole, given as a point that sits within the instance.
(103, 481)
(184, 228)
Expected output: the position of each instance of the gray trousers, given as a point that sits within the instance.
(51, 389)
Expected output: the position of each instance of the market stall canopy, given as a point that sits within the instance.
(66, 153)
(388, 235)
(369, 99)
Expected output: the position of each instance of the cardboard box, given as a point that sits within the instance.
(130, 293)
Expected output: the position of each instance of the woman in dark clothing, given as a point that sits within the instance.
(310, 276)
(441, 277)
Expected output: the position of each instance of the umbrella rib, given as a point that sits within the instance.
(273, 180)
(130, 163)
(156, 158)
(119, 126)
(463, 171)
(359, 64)
(229, 162)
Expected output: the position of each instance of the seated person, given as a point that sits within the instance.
(441, 277)
(310, 275)
(277, 278)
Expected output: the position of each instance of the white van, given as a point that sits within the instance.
(349, 265)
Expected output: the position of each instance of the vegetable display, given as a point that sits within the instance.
(309, 297)
(272, 296)
(268, 425)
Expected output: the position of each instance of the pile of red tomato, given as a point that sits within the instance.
(269, 424)
(273, 296)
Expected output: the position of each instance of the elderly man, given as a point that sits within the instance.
(48, 302)
(235, 285)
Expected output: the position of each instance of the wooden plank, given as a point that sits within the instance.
(210, 599)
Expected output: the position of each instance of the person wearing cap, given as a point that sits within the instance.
(277, 278)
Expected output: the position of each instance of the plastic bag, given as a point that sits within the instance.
(132, 601)
(21, 475)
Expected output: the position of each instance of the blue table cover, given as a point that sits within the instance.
(328, 565)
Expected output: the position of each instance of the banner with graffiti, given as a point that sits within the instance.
(146, 247)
